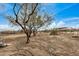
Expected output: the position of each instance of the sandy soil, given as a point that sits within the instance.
(43, 44)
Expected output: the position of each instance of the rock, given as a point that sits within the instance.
(2, 44)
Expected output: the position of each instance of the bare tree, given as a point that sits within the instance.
(22, 14)
(38, 21)
(27, 16)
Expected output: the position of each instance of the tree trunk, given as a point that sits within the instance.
(29, 33)
(27, 36)
(28, 40)
(34, 33)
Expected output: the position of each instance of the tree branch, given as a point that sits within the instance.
(31, 13)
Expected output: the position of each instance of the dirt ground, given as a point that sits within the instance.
(43, 44)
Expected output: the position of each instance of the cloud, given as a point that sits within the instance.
(7, 27)
(77, 26)
(51, 26)
(71, 19)
(61, 24)
(56, 25)
(70, 22)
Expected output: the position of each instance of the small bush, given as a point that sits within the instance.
(75, 36)
(54, 32)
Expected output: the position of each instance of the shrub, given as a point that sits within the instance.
(54, 32)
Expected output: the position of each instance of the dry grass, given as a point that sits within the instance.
(42, 45)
